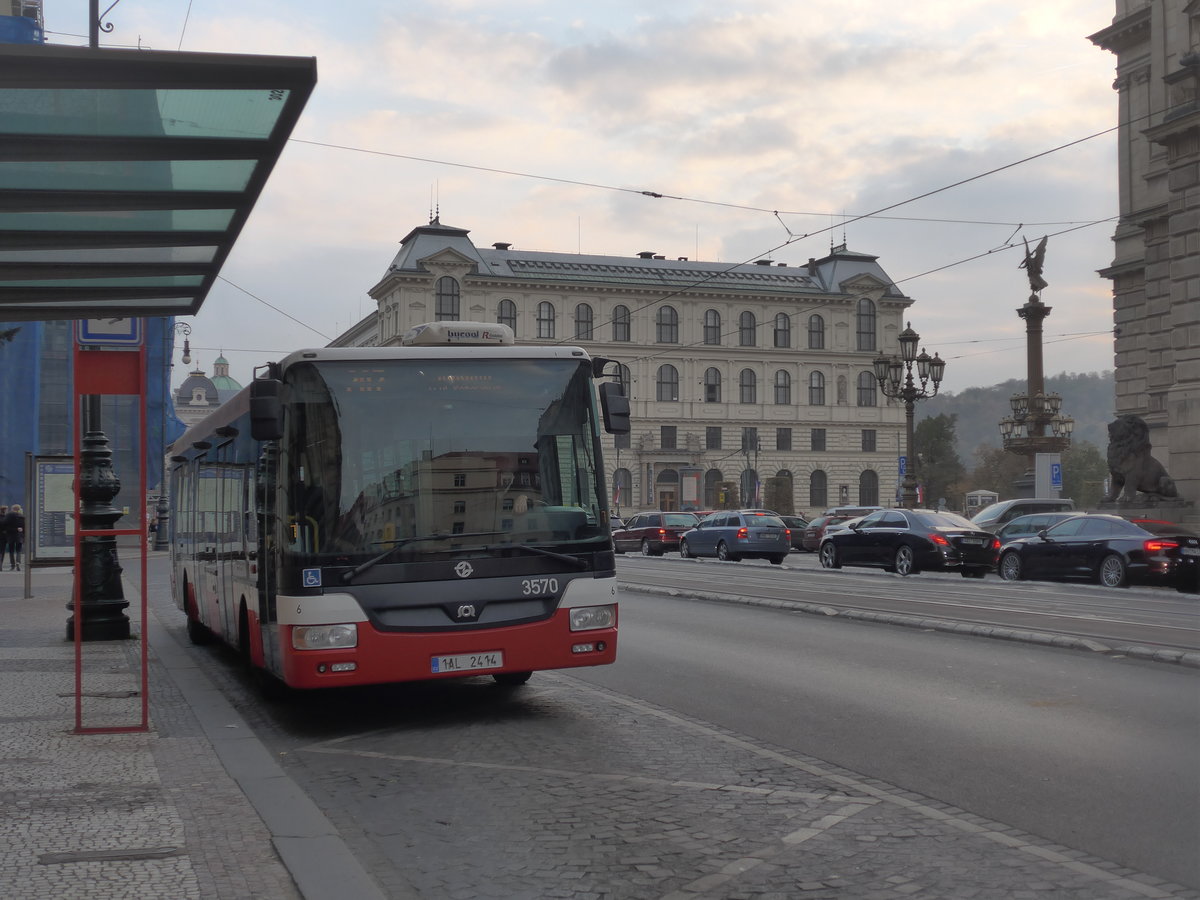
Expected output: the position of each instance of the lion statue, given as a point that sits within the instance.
(1132, 467)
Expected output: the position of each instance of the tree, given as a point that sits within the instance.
(996, 469)
(938, 467)
(1084, 470)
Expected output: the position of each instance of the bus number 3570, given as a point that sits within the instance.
(538, 586)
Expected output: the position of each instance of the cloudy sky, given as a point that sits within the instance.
(772, 127)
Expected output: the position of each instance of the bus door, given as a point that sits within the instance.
(183, 527)
(265, 550)
(207, 535)
(228, 537)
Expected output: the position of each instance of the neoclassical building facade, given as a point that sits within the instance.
(750, 385)
(1155, 271)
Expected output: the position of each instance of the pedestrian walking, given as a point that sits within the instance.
(3, 535)
(14, 532)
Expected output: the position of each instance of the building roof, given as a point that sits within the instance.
(127, 175)
(645, 270)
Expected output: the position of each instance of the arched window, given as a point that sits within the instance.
(626, 379)
(816, 333)
(749, 488)
(866, 389)
(783, 388)
(620, 323)
(747, 329)
(816, 389)
(667, 325)
(712, 489)
(622, 490)
(868, 488)
(784, 488)
(545, 319)
(747, 387)
(712, 327)
(783, 330)
(866, 324)
(506, 314)
(668, 384)
(712, 386)
(446, 300)
(583, 322)
(818, 491)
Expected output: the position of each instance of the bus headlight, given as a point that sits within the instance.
(324, 637)
(587, 618)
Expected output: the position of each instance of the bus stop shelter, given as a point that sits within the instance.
(126, 176)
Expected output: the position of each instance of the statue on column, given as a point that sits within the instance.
(1130, 464)
(1033, 265)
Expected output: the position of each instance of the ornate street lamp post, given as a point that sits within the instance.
(162, 510)
(895, 377)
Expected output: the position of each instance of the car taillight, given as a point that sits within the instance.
(662, 531)
(995, 543)
(1155, 546)
(743, 534)
(939, 539)
(787, 532)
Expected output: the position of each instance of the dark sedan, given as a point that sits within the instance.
(796, 525)
(1024, 526)
(906, 541)
(1106, 549)
(653, 533)
(815, 530)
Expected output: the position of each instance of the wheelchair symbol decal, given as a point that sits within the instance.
(312, 578)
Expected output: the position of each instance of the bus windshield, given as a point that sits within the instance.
(428, 456)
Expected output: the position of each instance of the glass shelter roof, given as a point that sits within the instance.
(127, 175)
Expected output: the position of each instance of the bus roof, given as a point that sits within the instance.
(459, 351)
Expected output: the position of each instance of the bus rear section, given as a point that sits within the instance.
(396, 514)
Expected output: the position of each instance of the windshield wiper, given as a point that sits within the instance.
(347, 577)
(565, 557)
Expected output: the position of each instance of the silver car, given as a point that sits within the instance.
(738, 534)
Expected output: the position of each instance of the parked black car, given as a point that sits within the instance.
(909, 540)
(738, 534)
(796, 526)
(1024, 526)
(1106, 549)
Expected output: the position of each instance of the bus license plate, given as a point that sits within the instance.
(466, 662)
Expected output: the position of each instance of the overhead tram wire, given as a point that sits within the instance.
(792, 238)
(813, 308)
(660, 195)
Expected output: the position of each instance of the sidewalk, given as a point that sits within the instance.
(170, 813)
(198, 807)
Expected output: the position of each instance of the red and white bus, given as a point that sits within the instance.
(383, 514)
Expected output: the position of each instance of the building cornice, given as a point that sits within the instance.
(1124, 33)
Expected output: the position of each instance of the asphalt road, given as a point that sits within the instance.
(1095, 752)
(1149, 616)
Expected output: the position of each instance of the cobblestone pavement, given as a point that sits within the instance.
(456, 790)
(582, 793)
(96, 816)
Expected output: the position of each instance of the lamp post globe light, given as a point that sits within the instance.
(895, 377)
(162, 510)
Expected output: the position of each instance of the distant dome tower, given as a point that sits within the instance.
(225, 385)
(196, 397)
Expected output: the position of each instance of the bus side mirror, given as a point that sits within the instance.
(266, 410)
(615, 407)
